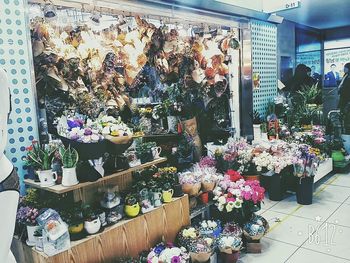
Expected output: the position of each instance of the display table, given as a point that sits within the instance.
(127, 238)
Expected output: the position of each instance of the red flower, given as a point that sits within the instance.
(234, 175)
(29, 148)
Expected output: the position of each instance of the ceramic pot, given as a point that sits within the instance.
(337, 156)
(69, 176)
(191, 189)
(47, 178)
(31, 241)
(156, 151)
(156, 198)
(92, 227)
(76, 229)
(172, 124)
(208, 187)
(257, 132)
(168, 195)
(132, 210)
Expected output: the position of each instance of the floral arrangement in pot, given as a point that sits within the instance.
(191, 183)
(144, 151)
(229, 247)
(114, 129)
(237, 199)
(208, 175)
(40, 157)
(209, 228)
(168, 253)
(201, 249)
(69, 158)
(72, 214)
(132, 207)
(26, 216)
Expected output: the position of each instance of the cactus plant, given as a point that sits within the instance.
(69, 157)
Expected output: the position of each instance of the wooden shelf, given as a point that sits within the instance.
(126, 238)
(60, 189)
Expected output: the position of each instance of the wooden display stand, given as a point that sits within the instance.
(127, 238)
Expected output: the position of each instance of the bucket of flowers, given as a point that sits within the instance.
(201, 249)
(229, 246)
(191, 183)
(305, 166)
(237, 199)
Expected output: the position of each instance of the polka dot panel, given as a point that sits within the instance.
(15, 58)
(264, 58)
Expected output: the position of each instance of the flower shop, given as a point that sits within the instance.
(143, 152)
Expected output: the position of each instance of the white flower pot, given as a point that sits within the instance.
(47, 178)
(172, 124)
(31, 241)
(346, 141)
(69, 176)
(92, 227)
(257, 132)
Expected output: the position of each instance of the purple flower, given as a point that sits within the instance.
(159, 248)
(74, 124)
(87, 131)
(175, 259)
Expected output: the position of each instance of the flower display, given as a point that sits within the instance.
(27, 215)
(307, 161)
(256, 228)
(209, 228)
(108, 125)
(228, 244)
(232, 229)
(167, 254)
(207, 161)
(189, 178)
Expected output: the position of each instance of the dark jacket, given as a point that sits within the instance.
(344, 92)
(331, 80)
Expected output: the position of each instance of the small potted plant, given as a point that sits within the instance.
(144, 151)
(132, 207)
(69, 157)
(92, 223)
(40, 158)
(26, 216)
(257, 121)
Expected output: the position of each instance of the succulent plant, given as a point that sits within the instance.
(69, 157)
(40, 156)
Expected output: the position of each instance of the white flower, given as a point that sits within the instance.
(212, 224)
(222, 200)
(258, 168)
(220, 207)
(204, 224)
(229, 207)
(105, 130)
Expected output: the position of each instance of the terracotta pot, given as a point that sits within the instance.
(251, 177)
(191, 189)
(208, 187)
(204, 197)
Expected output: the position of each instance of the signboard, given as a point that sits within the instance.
(272, 6)
(334, 61)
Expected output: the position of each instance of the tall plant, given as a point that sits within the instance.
(40, 156)
(69, 157)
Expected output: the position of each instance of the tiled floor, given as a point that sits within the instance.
(308, 233)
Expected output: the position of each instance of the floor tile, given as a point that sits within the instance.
(272, 251)
(286, 206)
(267, 203)
(341, 216)
(260, 212)
(293, 230)
(330, 239)
(303, 255)
(332, 193)
(273, 218)
(342, 180)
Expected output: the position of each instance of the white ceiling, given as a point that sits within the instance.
(320, 14)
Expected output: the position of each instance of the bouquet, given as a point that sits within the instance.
(229, 244)
(167, 254)
(187, 236)
(201, 249)
(209, 228)
(27, 215)
(307, 160)
(256, 228)
(191, 183)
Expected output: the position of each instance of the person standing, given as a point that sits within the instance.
(332, 77)
(344, 98)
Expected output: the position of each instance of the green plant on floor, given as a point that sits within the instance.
(69, 157)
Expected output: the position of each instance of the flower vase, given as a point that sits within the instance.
(172, 124)
(69, 176)
(257, 132)
(275, 190)
(31, 241)
(305, 190)
(229, 258)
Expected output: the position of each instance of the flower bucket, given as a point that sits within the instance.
(31, 241)
(276, 189)
(191, 189)
(200, 257)
(305, 190)
(69, 176)
(229, 257)
(208, 187)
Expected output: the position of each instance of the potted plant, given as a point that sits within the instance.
(69, 157)
(185, 149)
(40, 157)
(73, 216)
(144, 151)
(26, 216)
(92, 223)
(132, 207)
